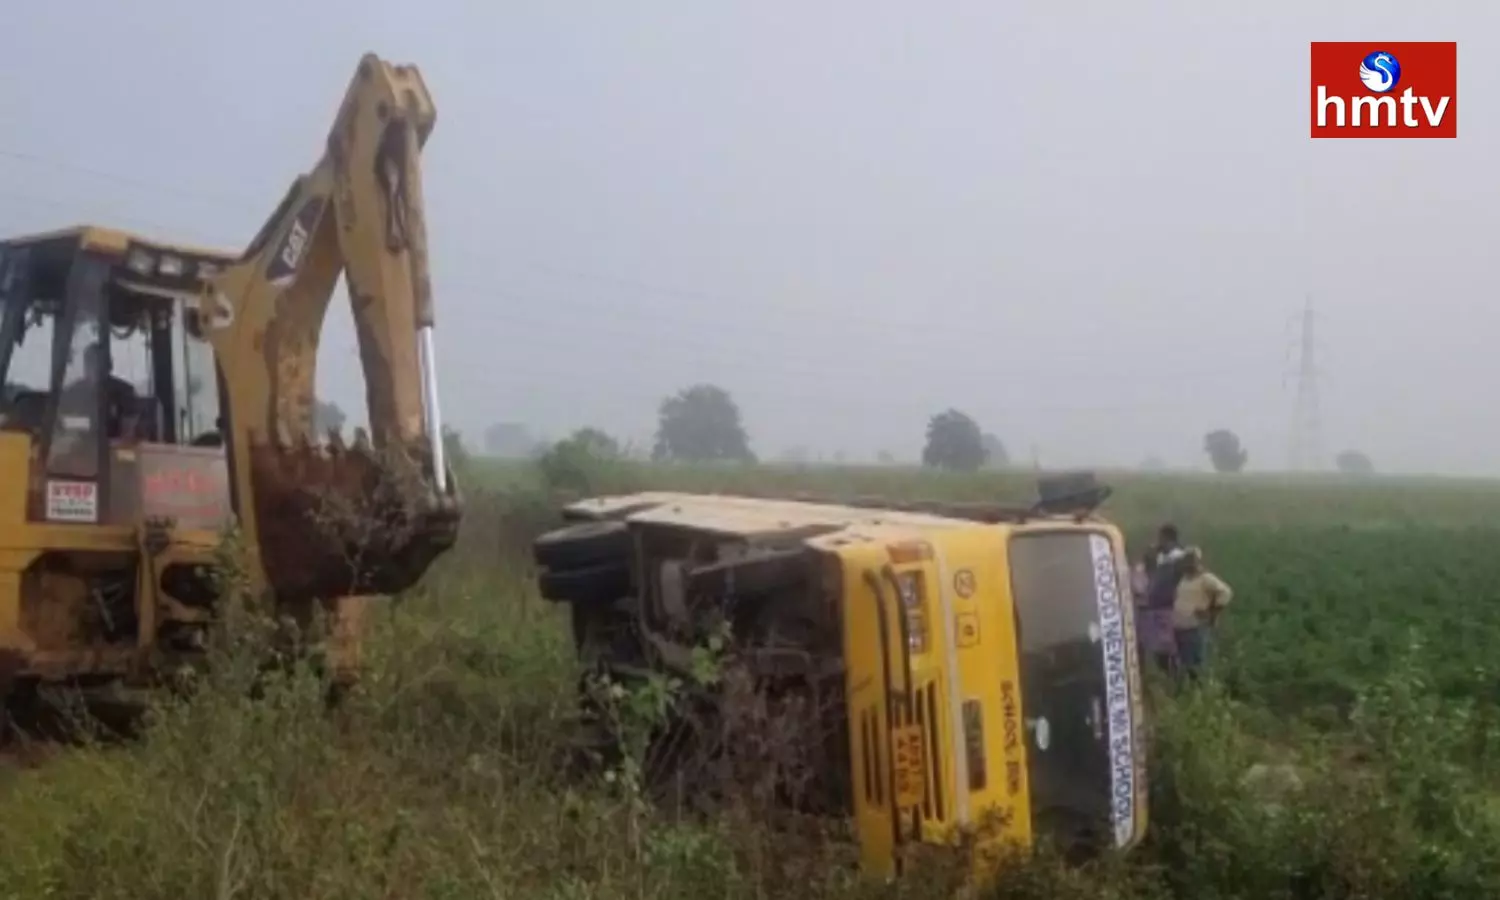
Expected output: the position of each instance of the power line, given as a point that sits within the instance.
(155, 187)
(713, 302)
(659, 330)
(649, 344)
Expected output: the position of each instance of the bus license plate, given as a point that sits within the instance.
(911, 774)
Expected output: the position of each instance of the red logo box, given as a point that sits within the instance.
(1350, 99)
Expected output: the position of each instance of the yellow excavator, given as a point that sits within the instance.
(171, 396)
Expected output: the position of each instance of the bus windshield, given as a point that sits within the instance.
(1074, 692)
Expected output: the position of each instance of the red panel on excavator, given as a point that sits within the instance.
(189, 484)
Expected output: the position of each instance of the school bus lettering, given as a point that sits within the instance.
(974, 744)
(1012, 727)
(1011, 730)
(1116, 659)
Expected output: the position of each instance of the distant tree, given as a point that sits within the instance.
(701, 423)
(596, 443)
(327, 416)
(994, 451)
(885, 458)
(954, 442)
(1354, 462)
(509, 440)
(579, 462)
(1224, 450)
(1153, 464)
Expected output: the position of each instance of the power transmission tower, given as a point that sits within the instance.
(1306, 450)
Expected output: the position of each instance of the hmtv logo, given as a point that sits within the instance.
(1395, 90)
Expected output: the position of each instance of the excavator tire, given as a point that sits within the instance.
(599, 584)
(583, 545)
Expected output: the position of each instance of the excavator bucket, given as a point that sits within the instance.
(336, 520)
(330, 518)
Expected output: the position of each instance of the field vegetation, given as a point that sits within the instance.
(1347, 745)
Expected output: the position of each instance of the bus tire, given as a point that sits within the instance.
(597, 584)
(583, 545)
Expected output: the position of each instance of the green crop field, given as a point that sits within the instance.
(1360, 666)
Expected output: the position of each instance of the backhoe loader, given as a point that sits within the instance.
(119, 490)
(971, 668)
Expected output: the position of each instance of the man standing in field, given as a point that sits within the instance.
(1153, 624)
(1201, 597)
(1161, 574)
(1166, 572)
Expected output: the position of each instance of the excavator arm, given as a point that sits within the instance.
(327, 519)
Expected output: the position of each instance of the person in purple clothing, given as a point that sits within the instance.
(1153, 626)
(1158, 574)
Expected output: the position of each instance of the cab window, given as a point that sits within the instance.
(198, 381)
(124, 360)
(131, 336)
(172, 394)
(80, 363)
(26, 337)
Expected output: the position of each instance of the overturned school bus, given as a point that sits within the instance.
(983, 659)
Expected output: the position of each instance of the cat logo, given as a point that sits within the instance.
(282, 270)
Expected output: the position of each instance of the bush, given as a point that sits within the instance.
(589, 462)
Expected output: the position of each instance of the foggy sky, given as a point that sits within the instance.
(1090, 225)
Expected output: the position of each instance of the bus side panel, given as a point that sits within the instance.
(989, 672)
(867, 709)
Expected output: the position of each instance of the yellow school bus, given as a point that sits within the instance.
(989, 674)
(991, 686)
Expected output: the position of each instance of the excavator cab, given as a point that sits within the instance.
(111, 381)
(112, 508)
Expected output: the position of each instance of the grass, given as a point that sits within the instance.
(1360, 655)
